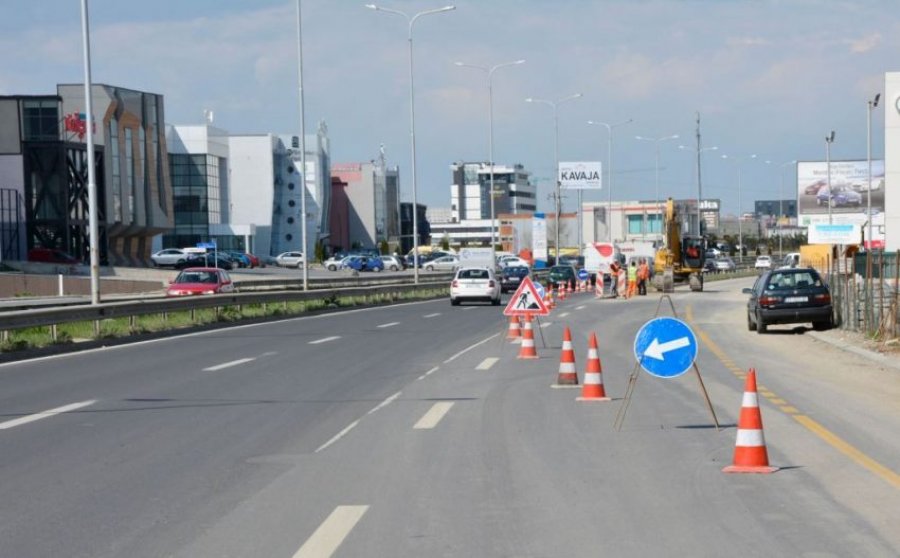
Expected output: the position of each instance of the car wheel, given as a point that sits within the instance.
(179, 262)
(496, 301)
(760, 324)
(750, 325)
(332, 268)
(454, 302)
(393, 268)
(377, 269)
(823, 325)
(429, 268)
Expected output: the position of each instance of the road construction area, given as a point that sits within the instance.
(416, 430)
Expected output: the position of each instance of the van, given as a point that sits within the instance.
(791, 260)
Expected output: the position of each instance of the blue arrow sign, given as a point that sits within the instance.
(665, 347)
(540, 289)
(583, 275)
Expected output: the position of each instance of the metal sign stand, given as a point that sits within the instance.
(635, 372)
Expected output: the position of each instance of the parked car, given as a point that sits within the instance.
(724, 263)
(51, 255)
(290, 259)
(562, 274)
(199, 281)
(475, 283)
(168, 257)
(709, 265)
(763, 262)
(512, 261)
(511, 276)
(574, 261)
(789, 296)
(255, 261)
(791, 260)
(239, 258)
(334, 262)
(394, 263)
(444, 263)
(839, 196)
(362, 263)
(211, 259)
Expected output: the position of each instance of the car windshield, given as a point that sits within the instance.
(793, 280)
(474, 274)
(197, 277)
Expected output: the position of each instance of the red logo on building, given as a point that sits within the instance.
(75, 122)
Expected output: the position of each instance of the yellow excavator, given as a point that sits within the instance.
(682, 257)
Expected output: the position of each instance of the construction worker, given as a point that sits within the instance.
(614, 278)
(632, 279)
(643, 277)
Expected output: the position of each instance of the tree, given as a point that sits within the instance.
(384, 248)
(320, 251)
(445, 242)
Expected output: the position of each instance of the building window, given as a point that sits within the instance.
(116, 164)
(291, 186)
(129, 170)
(290, 220)
(40, 120)
(291, 203)
(289, 237)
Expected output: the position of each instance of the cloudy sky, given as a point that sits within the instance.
(768, 77)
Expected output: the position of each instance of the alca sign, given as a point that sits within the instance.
(581, 175)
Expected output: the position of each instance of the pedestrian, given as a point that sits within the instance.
(632, 279)
(643, 277)
(614, 278)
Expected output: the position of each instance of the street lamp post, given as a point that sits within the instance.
(490, 73)
(739, 160)
(93, 226)
(555, 106)
(870, 106)
(656, 142)
(412, 121)
(609, 129)
(303, 227)
(698, 152)
(829, 139)
(781, 201)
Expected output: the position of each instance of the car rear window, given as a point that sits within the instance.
(793, 280)
(473, 274)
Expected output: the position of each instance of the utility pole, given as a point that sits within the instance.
(699, 182)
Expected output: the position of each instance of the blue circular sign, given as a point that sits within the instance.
(540, 289)
(583, 274)
(665, 347)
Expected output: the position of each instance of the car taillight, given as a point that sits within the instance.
(769, 300)
(824, 298)
(491, 283)
(454, 284)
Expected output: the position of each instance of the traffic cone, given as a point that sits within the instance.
(593, 375)
(562, 292)
(567, 375)
(750, 455)
(514, 332)
(527, 349)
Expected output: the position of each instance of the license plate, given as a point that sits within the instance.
(797, 299)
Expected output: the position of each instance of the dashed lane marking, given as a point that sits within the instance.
(434, 315)
(46, 414)
(229, 364)
(579, 307)
(429, 373)
(332, 532)
(487, 363)
(434, 415)
(564, 314)
(389, 324)
(469, 348)
(325, 340)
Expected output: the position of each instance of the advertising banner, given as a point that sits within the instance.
(849, 193)
(539, 237)
(823, 233)
(581, 176)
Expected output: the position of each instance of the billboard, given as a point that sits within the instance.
(539, 237)
(849, 193)
(581, 176)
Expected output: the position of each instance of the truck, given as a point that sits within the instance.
(681, 258)
(476, 257)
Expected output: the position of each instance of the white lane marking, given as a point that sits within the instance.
(579, 307)
(269, 353)
(546, 324)
(385, 403)
(469, 348)
(228, 364)
(436, 314)
(564, 314)
(391, 324)
(434, 415)
(487, 363)
(325, 340)
(429, 373)
(338, 436)
(45, 414)
(332, 532)
(469, 308)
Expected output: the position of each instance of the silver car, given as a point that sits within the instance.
(392, 262)
(444, 263)
(475, 283)
(169, 256)
(289, 259)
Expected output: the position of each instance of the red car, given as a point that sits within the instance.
(254, 260)
(200, 281)
(51, 255)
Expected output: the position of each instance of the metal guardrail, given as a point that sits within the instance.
(360, 280)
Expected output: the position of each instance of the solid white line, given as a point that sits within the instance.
(228, 364)
(332, 532)
(325, 340)
(391, 324)
(45, 414)
(469, 348)
(385, 403)
(564, 314)
(487, 363)
(432, 315)
(429, 373)
(434, 415)
(338, 436)
(579, 308)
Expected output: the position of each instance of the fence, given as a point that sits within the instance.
(865, 292)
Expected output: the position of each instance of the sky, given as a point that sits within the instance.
(767, 77)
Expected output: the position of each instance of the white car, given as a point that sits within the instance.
(475, 283)
(763, 262)
(289, 259)
(513, 261)
(444, 263)
(333, 263)
(169, 256)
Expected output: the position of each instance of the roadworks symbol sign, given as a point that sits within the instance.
(526, 301)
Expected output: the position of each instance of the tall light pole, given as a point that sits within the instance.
(740, 160)
(656, 142)
(609, 141)
(490, 73)
(555, 105)
(303, 238)
(870, 106)
(829, 139)
(412, 121)
(698, 152)
(93, 227)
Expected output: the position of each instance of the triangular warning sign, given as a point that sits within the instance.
(526, 301)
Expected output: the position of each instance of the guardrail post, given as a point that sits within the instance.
(265, 308)
(96, 328)
(193, 315)
(132, 322)
(54, 334)
(4, 335)
(62, 284)
(165, 317)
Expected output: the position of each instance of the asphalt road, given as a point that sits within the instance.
(413, 430)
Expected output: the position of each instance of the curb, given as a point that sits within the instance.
(888, 362)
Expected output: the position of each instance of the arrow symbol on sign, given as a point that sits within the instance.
(658, 350)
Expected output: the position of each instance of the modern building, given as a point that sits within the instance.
(517, 231)
(470, 191)
(643, 220)
(372, 212)
(439, 215)
(43, 171)
(406, 227)
(776, 208)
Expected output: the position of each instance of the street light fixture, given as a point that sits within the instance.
(555, 106)
(490, 73)
(609, 129)
(656, 141)
(870, 106)
(740, 160)
(829, 139)
(697, 152)
(412, 121)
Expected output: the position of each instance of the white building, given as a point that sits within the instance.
(469, 192)
(891, 161)
(642, 220)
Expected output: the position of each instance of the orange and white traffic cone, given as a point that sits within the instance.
(567, 374)
(514, 331)
(527, 349)
(593, 375)
(598, 286)
(750, 455)
(562, 291)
